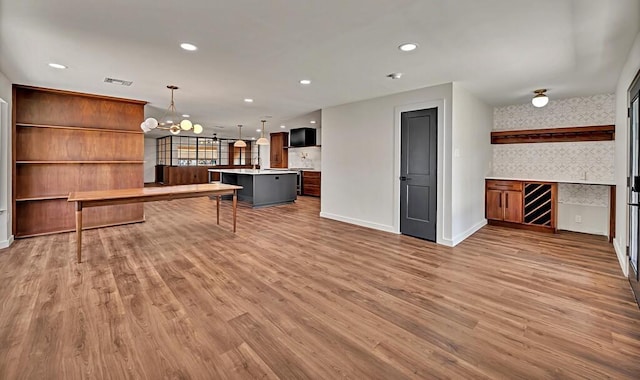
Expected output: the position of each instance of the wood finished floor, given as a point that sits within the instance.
(294, 296)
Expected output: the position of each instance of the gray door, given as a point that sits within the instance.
(418, 179)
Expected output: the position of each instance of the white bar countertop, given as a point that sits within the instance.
(253, 171)
(578, 181)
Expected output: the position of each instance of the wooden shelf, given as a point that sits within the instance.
(42, 198)
(569, 134)
(79, 162)
(76, 128)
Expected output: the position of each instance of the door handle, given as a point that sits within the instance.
(633, 204)
(405, 178)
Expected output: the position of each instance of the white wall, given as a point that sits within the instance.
(471, 162)
(149, 159)
(5, 162)
(361, 159)
(629, 71)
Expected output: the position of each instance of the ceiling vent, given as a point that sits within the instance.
(118, 81)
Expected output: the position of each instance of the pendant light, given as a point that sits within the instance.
(240, 143)
(540, 99)
(262, 140)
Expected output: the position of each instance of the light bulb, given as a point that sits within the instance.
(186, 125)
(540, 100)
(197, 129)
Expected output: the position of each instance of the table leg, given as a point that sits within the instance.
(235, 204)
(218, 209)
(79, 231)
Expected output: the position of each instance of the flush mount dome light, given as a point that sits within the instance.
(189, 47)
(410, 46)
(540, 99)
(57, 66)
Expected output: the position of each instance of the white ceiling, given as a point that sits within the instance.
(500, 50)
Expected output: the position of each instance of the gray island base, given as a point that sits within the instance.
(261, 187)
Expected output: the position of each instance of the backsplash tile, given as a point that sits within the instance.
(587, 195)
(309, 158)
(591, 161)
(571, 112)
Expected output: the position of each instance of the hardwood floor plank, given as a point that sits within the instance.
(293, 295)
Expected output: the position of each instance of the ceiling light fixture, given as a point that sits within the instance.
(312, 122)
(305, 81)
(240, 143)
(170, 114)
(57, 66)
(540, 99)
(189, 47)
(408, 46)
(283, 126)
(248, 100)
(394, 75)
(262, 140)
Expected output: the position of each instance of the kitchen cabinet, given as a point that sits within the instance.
(521, 204)
(504, 201)
(311, 183)
(279, 156)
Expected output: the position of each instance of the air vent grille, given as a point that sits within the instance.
(118, 81)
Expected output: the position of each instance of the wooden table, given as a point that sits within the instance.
(149, 194)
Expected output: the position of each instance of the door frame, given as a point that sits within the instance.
(440, 188)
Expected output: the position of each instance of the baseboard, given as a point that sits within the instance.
(622, 257)
(470, 231)
(358, 222)
(6, 243)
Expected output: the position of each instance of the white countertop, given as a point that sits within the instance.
(579, 181)
(253, 171)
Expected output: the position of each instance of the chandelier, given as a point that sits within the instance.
(168, 121)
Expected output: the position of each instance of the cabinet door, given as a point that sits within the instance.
(512, 206)
(494, 204)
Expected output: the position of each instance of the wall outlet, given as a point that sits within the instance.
(578, 218)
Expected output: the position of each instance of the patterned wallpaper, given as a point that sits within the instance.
(572, 112)
(590, 195)
(556, 161)
(559, 161)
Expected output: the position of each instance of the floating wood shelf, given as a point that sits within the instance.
(569, 134)
(86, 129)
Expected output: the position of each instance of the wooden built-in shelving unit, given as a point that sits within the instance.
(66, 141)
(569, 134)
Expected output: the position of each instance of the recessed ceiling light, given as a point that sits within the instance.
(185, 115)
(248, 100)
(253, 138)
(188, 46)
(169, 121)
(283, 126)
(408, 46)
(312, 122)
(57, 66)
(305, 81)
(258, 130)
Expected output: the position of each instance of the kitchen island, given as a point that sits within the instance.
(261, 187)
